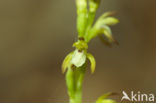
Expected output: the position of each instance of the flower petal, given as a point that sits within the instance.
(108, 33)
(106, 14)
(66, 62)
(92, 62)
(78, 58)
(103, 40)
(109, 21)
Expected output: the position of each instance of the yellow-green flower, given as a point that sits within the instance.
(75, 63)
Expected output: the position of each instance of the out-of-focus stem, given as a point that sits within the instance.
(81, 16)
(93, 6)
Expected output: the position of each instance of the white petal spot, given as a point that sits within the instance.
(79, 58)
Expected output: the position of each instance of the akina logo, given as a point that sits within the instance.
(137, 97)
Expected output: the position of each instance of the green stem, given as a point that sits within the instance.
(81, 16)
(74, 80)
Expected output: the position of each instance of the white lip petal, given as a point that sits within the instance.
(79, 58)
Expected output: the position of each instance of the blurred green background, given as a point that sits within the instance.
(36, 35)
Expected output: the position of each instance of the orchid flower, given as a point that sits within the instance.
(75, 63)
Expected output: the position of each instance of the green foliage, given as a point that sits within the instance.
(75, 62)
(103, 99)
(107, 101)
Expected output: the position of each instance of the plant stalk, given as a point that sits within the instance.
(74, 80)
